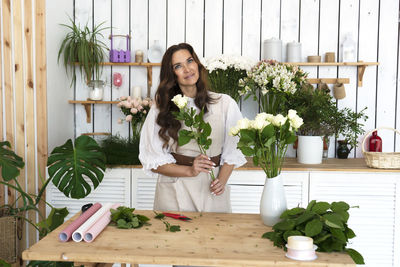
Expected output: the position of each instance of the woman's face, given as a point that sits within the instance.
(185, 69)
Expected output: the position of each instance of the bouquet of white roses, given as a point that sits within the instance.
(270, 83)
(266, 139)
(199, 129)
(225, 71)
(135, 110)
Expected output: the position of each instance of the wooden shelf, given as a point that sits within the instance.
(88, 106)
(98, 133)
(360, 66)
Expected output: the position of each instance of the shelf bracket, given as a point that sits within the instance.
(88, 109)
(149, 79)
(360, 70)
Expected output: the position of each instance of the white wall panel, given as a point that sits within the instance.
(289, 23)
(176, 22)
(232, 33)
(194, 25)
(388, 48)
(213, 28)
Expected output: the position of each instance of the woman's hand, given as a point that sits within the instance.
(217, 187)
(202, 163)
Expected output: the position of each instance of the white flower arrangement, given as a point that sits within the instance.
(225, 71)
(266, 139)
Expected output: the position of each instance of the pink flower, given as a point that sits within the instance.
(140, 107)
(120, 121)
(134, 110)
(119, 104)
(127, 104)
(144, 111)
(145, 102)
(129, 118)
(129, 98)
(123, 98)
(135, 102)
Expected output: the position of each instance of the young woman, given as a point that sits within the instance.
(184, 182)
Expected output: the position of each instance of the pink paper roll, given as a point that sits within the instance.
(66, 234)
(99, 226)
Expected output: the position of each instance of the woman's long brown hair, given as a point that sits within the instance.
(169, 87)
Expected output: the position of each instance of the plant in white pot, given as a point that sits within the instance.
(266, 139)
(319, 113)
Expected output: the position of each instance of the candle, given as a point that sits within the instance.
(273, 49)
(294, 52)
(139, 56)
(137, 92)
(300, 242)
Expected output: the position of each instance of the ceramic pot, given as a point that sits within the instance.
(343, 150)
(310, 149)
(96, 89)
(273, 200)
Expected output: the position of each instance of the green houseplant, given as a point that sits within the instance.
(67, 166)
(84, 48)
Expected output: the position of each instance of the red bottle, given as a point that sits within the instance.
(375, 143)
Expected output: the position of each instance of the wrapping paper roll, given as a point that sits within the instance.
(77, 236)
(66, 234)
(99, 226)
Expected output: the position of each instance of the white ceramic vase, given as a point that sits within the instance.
(273, 200)
(310, 149)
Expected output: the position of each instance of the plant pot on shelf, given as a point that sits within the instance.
(273, 200)
(342, 150)
(96, 89)
(310, 149)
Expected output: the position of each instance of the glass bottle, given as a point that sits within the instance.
(348, 49)
(375, 142)
(343, 150)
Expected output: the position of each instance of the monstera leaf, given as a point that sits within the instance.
(69, 165)
(10, 162)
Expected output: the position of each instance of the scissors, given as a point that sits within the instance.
(177, 216)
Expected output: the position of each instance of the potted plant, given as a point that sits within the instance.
(84, 48)
(348, 127)
(319, 113)
(67, 165)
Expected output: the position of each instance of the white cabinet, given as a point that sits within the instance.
(376, 221)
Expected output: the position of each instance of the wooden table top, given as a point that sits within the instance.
(210, 239)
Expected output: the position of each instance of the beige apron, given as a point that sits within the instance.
(193, 193)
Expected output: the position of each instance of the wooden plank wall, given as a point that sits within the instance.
(214, 27)
(23, 96)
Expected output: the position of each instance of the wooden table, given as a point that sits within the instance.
(210, 239)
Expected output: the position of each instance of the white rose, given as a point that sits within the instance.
(296, 122)
(180, 101)
(259, 123)
(234, 131)
(243, 123)
(278, 120)
(291, 114)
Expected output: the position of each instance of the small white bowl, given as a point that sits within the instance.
(301, 254)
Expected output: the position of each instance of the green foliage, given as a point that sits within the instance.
(325, 223)
(4, 263)
(318, 110)
(227, 81)
(124, 218)
(121, 151)
(10, 162)
(199, 130)
(84, 47)
(69, 164)
(168, 226)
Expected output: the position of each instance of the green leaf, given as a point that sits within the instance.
(291, 139)
(10, 162)
(313, 228)
(339, 206)
(4, 263)
(56, 218)
(255, 161)
(311, 205)
(122, 224)
(68, 165)
(247, 151)
(344, 215)
(338, 233)
(349, 233)
(284, 225)
(306, 216)
(355, 255)
(183, 138)
(333, 220)
(268, 132)
(296, 211)
(320, 207)
(247, 135)
(175, 228)
(269, 235)
(207, 130)
(290, 233)
(321, 238)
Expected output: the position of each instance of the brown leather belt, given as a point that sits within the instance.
(188, 161)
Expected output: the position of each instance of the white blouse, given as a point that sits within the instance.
(151, 151)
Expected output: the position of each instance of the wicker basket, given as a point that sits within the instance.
(381, 160)
(8, 239)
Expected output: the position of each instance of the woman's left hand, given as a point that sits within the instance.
(217, 187)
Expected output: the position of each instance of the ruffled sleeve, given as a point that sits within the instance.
(151, 151)
(230, 154)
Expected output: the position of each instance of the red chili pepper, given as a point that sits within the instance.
(177, 216)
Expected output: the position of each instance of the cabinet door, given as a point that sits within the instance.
(247, 187)
(374, 222)
(115, 188)
(143, 190)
